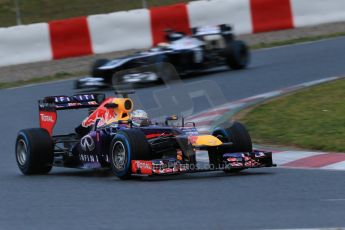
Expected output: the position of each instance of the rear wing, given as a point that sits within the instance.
(77, 101)
(49, 105)
(223, 29)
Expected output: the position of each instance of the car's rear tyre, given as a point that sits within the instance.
(128, 145)
(237, 55)
(34, 151)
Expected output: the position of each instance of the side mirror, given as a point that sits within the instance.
(111, 105)
(189, 123)
(171, 118)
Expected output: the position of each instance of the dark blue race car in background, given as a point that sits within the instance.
(207, 47)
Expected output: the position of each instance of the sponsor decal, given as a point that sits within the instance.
(190, 131)
(46, 118)
(260, 154)
(192, 139)
(179, 155)
(62, 99)
(88, 158)
(73, 104)
(142, 167)
(233, 159)
(87, 143)
(205, 30)
(84, 97)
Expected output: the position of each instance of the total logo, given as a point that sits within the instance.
(46, 118)
(143, 165)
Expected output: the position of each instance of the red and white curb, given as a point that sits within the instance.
(303, 159)
(142, 28)
(206, 121)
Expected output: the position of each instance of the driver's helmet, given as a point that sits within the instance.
(163, 45)
(172, 35)
(140, 118)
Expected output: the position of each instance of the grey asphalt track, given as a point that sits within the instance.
(255, 199)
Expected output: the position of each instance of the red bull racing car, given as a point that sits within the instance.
(109, 138)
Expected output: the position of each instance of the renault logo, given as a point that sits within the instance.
(87, 143)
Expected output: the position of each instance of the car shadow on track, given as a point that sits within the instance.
(82, 173)
(188, 176)
(160, 82)
(204, 175)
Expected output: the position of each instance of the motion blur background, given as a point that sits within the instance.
(14, 12)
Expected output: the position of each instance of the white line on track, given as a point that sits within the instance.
(334, 200)
(340, 228)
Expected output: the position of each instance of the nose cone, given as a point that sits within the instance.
(204, 140)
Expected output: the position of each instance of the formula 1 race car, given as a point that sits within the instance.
(207, 47)
(110, 139)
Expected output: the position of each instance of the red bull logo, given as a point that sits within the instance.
(102, 114)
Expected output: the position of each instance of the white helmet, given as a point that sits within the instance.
(140, 118)
(163, 45)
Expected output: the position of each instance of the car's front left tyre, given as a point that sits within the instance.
(238, 135)
(128, 145)
(34, 151)
(241, 141)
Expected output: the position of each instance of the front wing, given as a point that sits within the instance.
(255, 159)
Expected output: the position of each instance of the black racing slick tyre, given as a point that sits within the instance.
(238, 135)
(128, 145)
(237, 55)
(118, 83)
(34, 151)
(94, 69)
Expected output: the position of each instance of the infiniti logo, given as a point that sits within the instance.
(87, 143)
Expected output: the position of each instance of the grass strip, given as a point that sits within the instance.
(37, 80)
(296, 41)
(312, 118)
